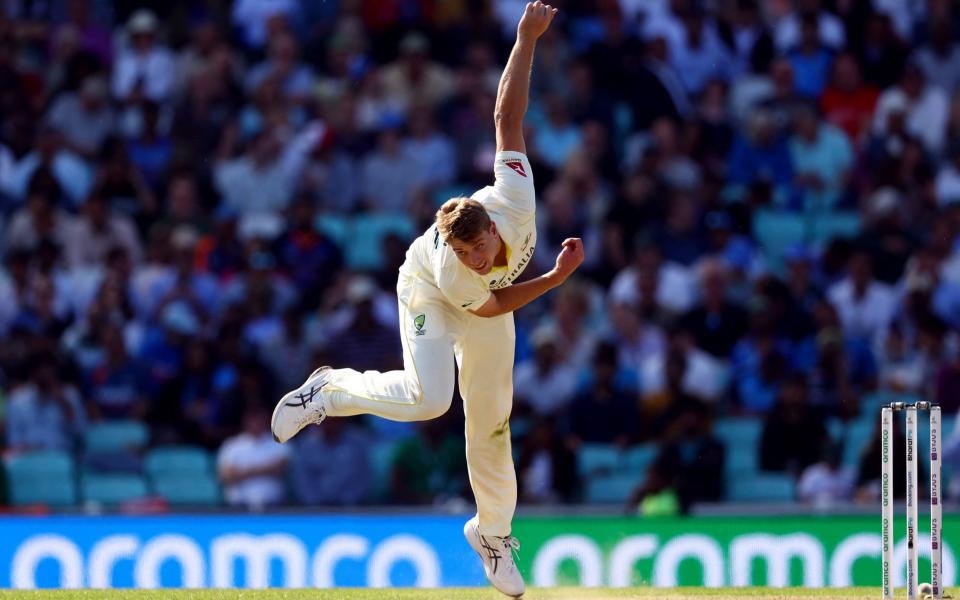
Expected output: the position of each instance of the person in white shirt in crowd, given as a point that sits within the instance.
(637, 341)
(414, 79)
(831, 30)
(544, 382)
(571, 323)
(207, 54)
(673, 284)
(390, 167)
(663, 19)
(432, 150)
(905, 14)
(251, 465)
(822, 159)
(704, 376)
(940, 58)
(827, 482)
(39, 219)
(97, 231)
(865, 306)
(256, 19)
(263, 179)
(372, 107)
(144, 69)
(747, 30)
(700, 56)
(901, 365)
(85, 117)
(925, 105)
(71, 172)
(43, 413)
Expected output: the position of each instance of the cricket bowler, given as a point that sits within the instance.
(456, 302)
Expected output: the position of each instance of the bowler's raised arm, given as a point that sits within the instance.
(514, 85)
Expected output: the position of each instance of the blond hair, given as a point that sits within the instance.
(462, 219)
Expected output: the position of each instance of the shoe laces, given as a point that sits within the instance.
(312, 417)
(511, 545)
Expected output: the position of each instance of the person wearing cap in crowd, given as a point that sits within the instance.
(144, 70)
(456, 306)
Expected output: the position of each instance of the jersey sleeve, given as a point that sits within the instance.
(460, 288)
(513, 181)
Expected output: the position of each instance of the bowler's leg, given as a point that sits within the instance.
(485, 356)
(424, 388)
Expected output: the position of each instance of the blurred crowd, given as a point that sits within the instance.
(201, 202)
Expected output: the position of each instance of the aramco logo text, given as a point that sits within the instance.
(886, 445)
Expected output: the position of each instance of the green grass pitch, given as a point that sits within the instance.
(863, 593)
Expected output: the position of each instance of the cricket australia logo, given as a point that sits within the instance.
(418, 322)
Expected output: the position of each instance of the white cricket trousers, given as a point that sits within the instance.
(484, 350)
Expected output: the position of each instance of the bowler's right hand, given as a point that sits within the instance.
(569, 258)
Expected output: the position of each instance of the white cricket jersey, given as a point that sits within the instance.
(511, 204)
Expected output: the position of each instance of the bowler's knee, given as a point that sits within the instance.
(493, 437)
(433, 401)
(434, 409)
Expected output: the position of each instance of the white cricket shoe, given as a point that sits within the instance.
(300, 407)
(497, 556)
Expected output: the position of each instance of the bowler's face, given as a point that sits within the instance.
(479, 253)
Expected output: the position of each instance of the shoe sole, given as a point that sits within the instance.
(283, 400)
(470, 532)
